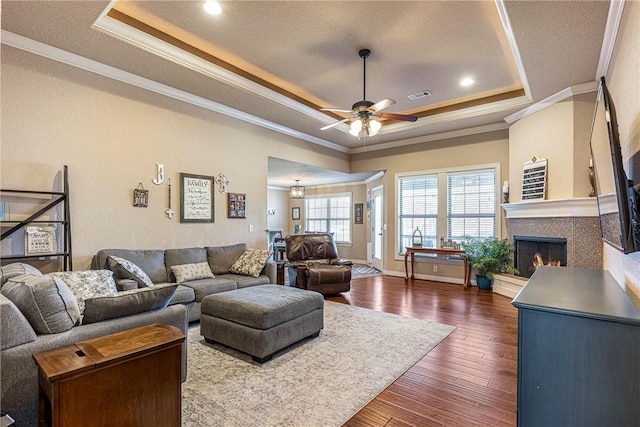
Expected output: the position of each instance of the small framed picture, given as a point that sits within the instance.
(40, 239)
(295, 214)
(237, 204)
(358, 213)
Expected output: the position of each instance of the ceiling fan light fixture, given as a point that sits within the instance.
(374, 127)
(356, 127)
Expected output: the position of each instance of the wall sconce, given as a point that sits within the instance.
(296, 191)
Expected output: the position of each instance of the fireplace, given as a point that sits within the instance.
(531, 252)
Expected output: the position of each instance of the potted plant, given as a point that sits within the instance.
(488, 257)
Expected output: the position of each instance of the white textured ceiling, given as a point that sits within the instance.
(301, 55)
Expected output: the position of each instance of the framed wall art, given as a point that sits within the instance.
(196, 198)
(237, 205)
(358, 213)
(295, 214)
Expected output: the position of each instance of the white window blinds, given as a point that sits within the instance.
(471, 204)
(330, 215)
(418, 208)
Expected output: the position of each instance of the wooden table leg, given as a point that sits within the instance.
(413, 259)
(406, 270)
(465, 283)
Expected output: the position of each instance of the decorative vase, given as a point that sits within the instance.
(483, 282)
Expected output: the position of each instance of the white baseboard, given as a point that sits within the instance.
(445, 279)
(508, 285)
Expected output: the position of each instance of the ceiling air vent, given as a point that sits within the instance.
(419, 95)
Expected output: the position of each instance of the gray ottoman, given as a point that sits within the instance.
(261, 320)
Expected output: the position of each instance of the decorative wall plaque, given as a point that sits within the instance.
(534, 179)
(140, 197)
(196, 198)
(40, 239)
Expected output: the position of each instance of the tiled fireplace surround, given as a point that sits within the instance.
(573, 219)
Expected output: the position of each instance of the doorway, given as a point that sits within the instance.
(377, 228)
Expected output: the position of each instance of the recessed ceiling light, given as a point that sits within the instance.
(212, 7)
(467, 81)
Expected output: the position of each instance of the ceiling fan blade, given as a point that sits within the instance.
(381, 105)
(334, 124)
(336, 110)
(396, 116)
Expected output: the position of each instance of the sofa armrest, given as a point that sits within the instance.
(126, 284)
(271, 271)
(340, 261)
(17, 329)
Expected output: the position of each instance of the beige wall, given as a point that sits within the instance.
(111, 136)
(559, 133)
(623, 81)
(278, 200)
(452, 153)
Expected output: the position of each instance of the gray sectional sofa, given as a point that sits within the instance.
(22, 335)
(158, 263)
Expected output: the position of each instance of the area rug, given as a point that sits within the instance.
(359, 270)
(320, 381)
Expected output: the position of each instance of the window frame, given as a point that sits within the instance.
(443, 208)
(328, 219)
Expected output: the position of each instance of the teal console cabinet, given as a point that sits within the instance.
(578, 350)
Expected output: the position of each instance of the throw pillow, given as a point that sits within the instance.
(221, 258)
(16, 269)
(251, 262)
(186, 272)
(128, 303)
(88, 284)
(46, 302)
(124, 269)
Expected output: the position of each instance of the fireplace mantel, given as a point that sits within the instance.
(575, 207)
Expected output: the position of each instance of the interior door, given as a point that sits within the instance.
(377, 226)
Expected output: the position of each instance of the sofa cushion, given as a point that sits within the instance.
(182, 256)
(187, 272)
(183, 295)
(16, 269)
(125, 269)
(46, 302)
(12, 319)
(88, 284)
(151, 261)
(204, 287)
(251, 262)
(128, 303)
(221, 258)
(246, 281)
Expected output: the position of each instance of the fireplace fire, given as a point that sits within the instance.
(532, 252)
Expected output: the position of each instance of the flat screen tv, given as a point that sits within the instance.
(618, 199)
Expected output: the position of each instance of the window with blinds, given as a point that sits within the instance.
(330, 214)
(465, 206)
(471, 204)
(418, 209)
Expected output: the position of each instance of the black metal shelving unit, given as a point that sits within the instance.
(57, 198)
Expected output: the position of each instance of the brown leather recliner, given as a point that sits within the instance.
(314, 264)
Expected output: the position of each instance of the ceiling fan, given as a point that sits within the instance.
(366, 112)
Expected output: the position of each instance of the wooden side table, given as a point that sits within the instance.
(412, 250)
(127, 378)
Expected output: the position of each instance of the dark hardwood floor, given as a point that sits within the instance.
(469, 379)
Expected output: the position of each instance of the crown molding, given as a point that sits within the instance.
(551, 100)
(508, 31)
(430, 138)
(74, 60)
(616, 8)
